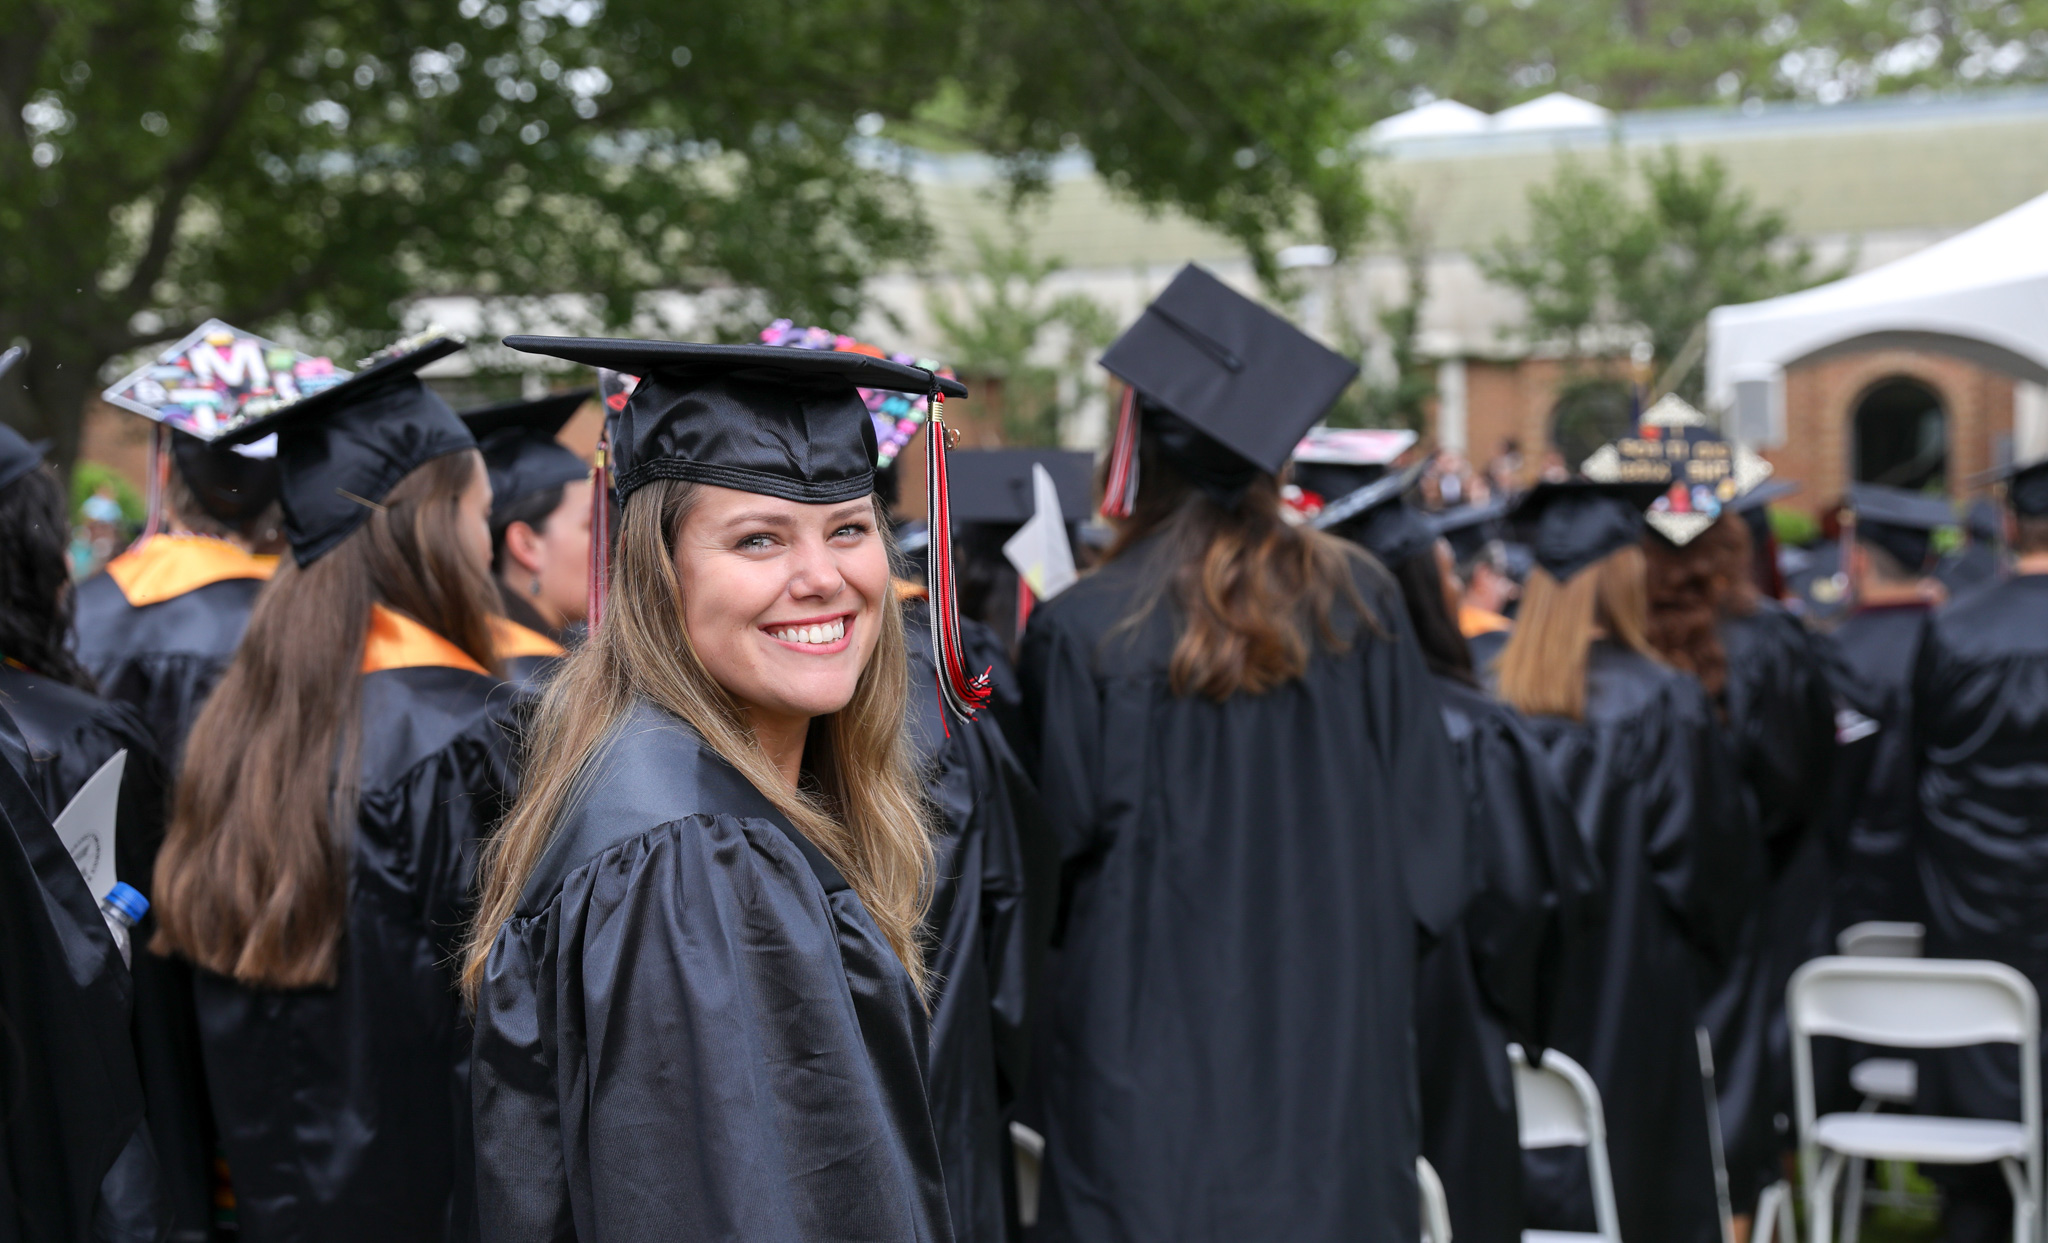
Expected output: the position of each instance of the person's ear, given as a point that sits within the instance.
(523, 546)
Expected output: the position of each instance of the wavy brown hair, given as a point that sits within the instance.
(1543, 666)
(1256, 596)
(860, 802)
(1692, 588)
(253, 878)
(36, 599)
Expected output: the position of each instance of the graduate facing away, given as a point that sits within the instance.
(696, 974)
(1243, 757)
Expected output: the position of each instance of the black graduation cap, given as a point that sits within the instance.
(1470, 527)
(1379, 517)
(341, 450)
(17, 456)
(1900, 522)
(1571, 524)
(759, 418)
(993, 486)
(520, 449)
(1763, 494)
(2026, 488)
(231, 485)
(1240, 374)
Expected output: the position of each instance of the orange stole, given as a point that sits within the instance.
(169, 566)
(1473, 622)
(514, 640)
(396, 641)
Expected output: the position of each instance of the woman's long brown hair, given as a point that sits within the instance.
(252, 881)
(1255, 594)
(1543, 666)
(860, 803)
(1691, 589)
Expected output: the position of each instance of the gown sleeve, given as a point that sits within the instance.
(1064, 723)
(1416, 750)
(1700, 845)
(668, 1051)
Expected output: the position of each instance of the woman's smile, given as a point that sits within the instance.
(813, 636)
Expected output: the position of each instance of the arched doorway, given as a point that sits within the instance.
(1588, 414)
(1901, 431)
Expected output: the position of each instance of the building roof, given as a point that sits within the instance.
(1899, 164)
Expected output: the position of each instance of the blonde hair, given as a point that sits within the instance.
(1543, 666)
(860, 804)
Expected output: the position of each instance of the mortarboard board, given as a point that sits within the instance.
(218, 373)
(17, 455)
(759, 418)
(1240, 376)
(897, 414)
(1765, 493)
(519, 446)
(787, 423)
(1699, 472)
(1470, 528)
(342, 449)
(1333, 461)
(1900, 522)
(2026, 487)
(1379, 517)
(1573, 523)
(993, 486)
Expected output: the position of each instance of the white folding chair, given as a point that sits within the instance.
(1916, 1004)
(1436, 1210)
(1029, 1149)
(1558, 1106)
(1881, 938)
(1774, 1221)
(1880, 1081)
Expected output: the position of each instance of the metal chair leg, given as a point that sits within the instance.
(2023, 1207)
(1820, 1199)
(1852, 1201)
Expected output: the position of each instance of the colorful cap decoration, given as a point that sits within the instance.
(1701, 473)
(897, 416)
(220, 375)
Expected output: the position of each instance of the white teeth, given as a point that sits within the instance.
(830, 632)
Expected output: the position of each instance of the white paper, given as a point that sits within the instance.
(86, 825)
(1039, 550)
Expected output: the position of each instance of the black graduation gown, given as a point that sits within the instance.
(998, 871)
(1875, 819)
(1781, 728)
(345, 1110)
(1980, 720)
(1655, 790)
(159, 625)
(1228, 1050)
(71, 1100)
(68, 735)
(528, 652)
(1494, 977)
(690, 1029)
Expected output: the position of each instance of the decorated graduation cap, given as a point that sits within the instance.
(992, 487)
(519, 446)
(897, 415)
(787, 423)
(17, 455)
(1570, 524)
(1900, 522)
(1238, 386)
(1379, 517)
(1699, 473)
(1334, 461)
(1470, 528)
(341, 449)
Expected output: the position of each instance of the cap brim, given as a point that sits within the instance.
(368, 380)
(544, 416)
(1371, 496)
(641, 357)
(12, 355)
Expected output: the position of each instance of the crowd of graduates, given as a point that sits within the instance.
(683, 846)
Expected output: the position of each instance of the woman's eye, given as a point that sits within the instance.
(756, 543)
(852, 530)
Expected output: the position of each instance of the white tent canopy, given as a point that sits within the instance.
(1982, 295)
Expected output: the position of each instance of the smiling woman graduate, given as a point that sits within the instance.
(697, 971)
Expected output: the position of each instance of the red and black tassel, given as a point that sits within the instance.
(1120, 487)
(963, 694)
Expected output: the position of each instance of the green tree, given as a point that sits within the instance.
(1008, 325)
(310, 166)
(1634, 54)
(1607, 262)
